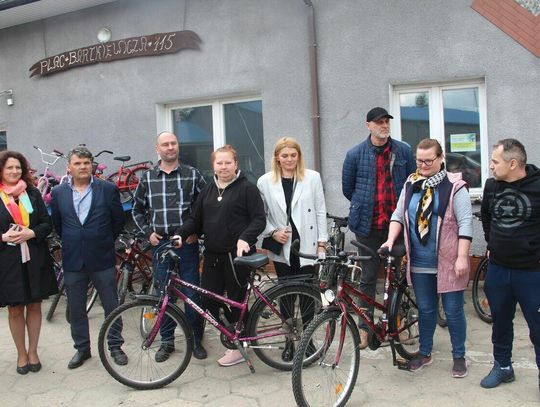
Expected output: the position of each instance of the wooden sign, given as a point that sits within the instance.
(146, 45)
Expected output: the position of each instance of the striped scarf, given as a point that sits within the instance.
(19, 212)
(424, 210)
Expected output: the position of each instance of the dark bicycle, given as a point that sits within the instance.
(277, 317)
(480, 301)
(331, 342)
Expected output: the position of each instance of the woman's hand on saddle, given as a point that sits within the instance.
(241, 247)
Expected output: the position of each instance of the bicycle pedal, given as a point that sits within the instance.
(401, 364)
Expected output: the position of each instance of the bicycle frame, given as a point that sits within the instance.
(235, 337)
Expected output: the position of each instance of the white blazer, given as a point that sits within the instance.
(308, 212)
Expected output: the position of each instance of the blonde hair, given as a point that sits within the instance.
(288, 142)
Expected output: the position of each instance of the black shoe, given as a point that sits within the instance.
(22, 369)
(119, 357)
(164, 352)
(79, 358)
(288, 353)
(34, 367)
(199, 352)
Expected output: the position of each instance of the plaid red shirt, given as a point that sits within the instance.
(385, 199)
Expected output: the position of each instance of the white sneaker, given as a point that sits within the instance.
(232, 357)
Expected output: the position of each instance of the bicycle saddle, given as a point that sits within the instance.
(398, 250)
(254, 261)
(123, 158)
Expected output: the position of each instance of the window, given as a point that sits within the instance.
(201, 128)
(3, 140)
(454, 114)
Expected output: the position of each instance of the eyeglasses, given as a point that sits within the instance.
(427, 163)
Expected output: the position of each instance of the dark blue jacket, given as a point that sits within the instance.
(359, 175)
(90, 245)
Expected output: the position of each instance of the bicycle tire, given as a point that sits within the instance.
(404, 312)
(125, 196)
(122, 329)
(42, 186)
(480, 302)
(122, 283)
(132, 180)
(441, 315)
(287, 298)
(55, 300)
(323, 383)
(145, 326)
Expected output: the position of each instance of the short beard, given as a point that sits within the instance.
(169, 160)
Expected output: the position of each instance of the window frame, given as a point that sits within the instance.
(436, 115)
(218, 115)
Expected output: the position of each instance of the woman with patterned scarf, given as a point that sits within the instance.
(434, 212)
(26, 270)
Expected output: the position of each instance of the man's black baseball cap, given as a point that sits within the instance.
(377, 113)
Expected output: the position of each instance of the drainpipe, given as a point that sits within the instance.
(314, 86)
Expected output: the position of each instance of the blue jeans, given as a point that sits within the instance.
(76, 285)
(425, 290)
(505, 288)
(188, 269)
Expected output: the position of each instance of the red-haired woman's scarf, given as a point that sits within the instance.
(19, 212)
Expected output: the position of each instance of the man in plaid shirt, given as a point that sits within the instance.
(373, 175)
(162, 202)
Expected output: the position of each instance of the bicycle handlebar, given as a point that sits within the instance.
(345, 219)
(103, 151)
(398, 250)
(361, 246)
(342, 255)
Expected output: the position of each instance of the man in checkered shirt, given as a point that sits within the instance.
(162, 202)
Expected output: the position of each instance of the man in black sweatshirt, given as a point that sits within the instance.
(511, 223)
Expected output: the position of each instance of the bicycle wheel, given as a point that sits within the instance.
(403, 319)
(55, 300)
(125, 195)
(122, 283)
(142, 372)
(146, 324)
(326, 382)
(42, 186)
(298, 303)
(480, 302)
(133, 179)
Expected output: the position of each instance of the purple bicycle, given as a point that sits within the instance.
(274, 322)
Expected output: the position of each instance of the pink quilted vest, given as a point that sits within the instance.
(447, 243)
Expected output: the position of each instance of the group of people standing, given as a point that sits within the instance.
(392, 195)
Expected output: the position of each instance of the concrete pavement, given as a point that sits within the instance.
(204, 383)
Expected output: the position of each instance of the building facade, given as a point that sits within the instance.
(444, 69)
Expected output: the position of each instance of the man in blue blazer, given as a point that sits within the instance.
(88, 216)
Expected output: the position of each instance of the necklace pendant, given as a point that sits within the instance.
(219, 198)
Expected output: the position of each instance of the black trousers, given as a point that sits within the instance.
(220, 277)
(287, 305)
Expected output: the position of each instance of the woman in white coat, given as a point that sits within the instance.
(292, 189)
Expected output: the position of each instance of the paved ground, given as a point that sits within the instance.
(204, 383)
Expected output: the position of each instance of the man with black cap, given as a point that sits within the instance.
(373, 175)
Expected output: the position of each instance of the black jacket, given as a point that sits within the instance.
(511, 220)
(41, 276)
(238, 215)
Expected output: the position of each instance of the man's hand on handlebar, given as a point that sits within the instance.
(176, 240)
